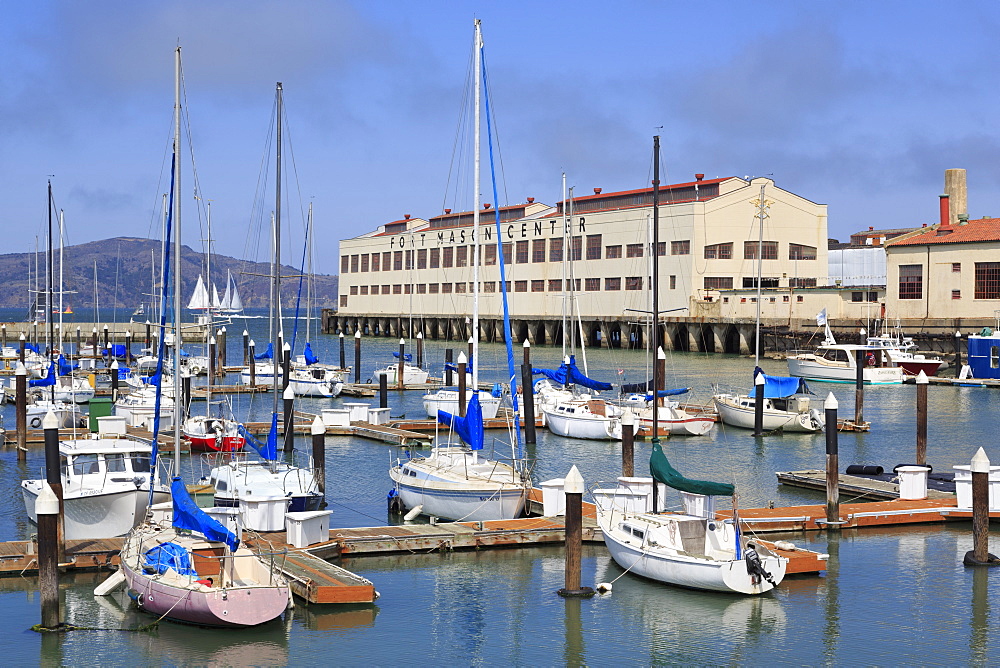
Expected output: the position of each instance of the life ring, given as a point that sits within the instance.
(870, 359)
(35, 423)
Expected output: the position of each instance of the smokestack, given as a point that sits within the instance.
(597, 191)
(531, 200)
(955, 186)
(699, 177)
(945, 225)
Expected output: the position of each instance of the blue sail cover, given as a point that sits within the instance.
(65, 368)
(46, 381)
(33, 347)
(308, 354)
(470, 427)
(569, 374)
(117, 350)
(779, 387)
(167, 556)
(267, 354)
(407, 357)
(269, 449)
(668, 393)
(189, 516)
(636, 388)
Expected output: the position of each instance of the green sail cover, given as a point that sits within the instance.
(663, 472)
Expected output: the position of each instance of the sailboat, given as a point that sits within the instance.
(787, 406)
(572, 414)
(454, 481)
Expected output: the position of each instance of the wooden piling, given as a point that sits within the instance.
(114, 381)
(420, 349)
(128, 347)
(628, 444)
(921, 419)
(528, 401)
(318, 431)
(149, 335)
(252, 364)
(288, 398)
(462, 384)
(223, 345)
(211, 361)
(357, 356)
(573, 487)
(21, 346)
(402, 364)
(448, 359)
(383, 390)
(47, 511)
(980, 554)
(832, 465)
(958, 353)
(343, 356)
(50, 427)
(859, 387)
(286, 365)
(21, 410)
(758, 404)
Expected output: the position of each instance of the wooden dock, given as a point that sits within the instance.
(855, 487)
(390, 434)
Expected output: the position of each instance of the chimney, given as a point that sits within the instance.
(699, 177)
(958, 200)
(871, 229)
(486, 205)
(406, 216)
(531, 200)
(945, 225)
(597, 191)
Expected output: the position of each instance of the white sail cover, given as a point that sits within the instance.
(199, 300)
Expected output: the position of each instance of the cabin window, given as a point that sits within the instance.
(140, 463)
(115, 462)
(987, 280)
(84, 464)
(221, 486)
(911, 281)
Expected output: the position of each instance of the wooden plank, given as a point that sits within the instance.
(319, 581)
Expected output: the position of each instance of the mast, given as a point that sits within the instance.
(475, 215)
(309, 276)
(760, 260)
(564, 255)
(49, 274)
(656, 286)
(60, 278)
(178, 417)
(276, 277)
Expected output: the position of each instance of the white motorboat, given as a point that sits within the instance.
(73, 389)
(838, 363)
(447, 400)
(105, 486)
(139, 408)
(585, 418)
(691, 549)
(900, 350)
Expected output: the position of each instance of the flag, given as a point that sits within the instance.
(821, 318)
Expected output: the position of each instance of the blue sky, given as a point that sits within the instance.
(857, 105)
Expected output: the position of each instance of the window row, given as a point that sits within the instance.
(536, 285)
(769, 251)
(726, 282)
(985, 286)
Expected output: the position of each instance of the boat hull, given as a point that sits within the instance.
(808, 367)
(447, 400)
(98, 515)
(464, 505)
(737, 416)
(588, 426)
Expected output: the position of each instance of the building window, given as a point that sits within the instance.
(344, 263)
(520, 286)
(751, 282)
(508, 252)
(680, 247)
(375, 263)
(446, 288)
(538, 250)
(386, 261)
(802, 282)
(673, 282)
(432, 288)
(612, 252)
(397, 289)
(872, 296)
(490, 255)
(538, 285)
(555, 250)
(633, 282)
(374, 289)
(460, 287)
(386, 289)
(633, 250)
(911, 281)
(397, 261)
(661, 249)
(555, 285)
(422, 258)
(343, 301)
(489, 286)
(354, 264)
(408, 288)
(770, 250)
(506, 286)
(784, 299)
(447, 257)
(435, 258)
(364, 262)
(462, 256)
(421, 288)
(576, 248)
(799, 298)
(612, 284)
(956, 267)
(956, 294)
(857, 296)
(408, 262)
(592, 284)
(521, 252)
(719, 251)
(800, 252)
(593, 246)
(364, 289)
(354, 290)
(718, 282)
(987, 280)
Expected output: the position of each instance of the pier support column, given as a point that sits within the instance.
(832, 465)
(573, 487)
(980, 553)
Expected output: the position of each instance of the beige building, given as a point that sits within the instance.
(708, 243)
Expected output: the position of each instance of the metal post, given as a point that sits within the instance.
(832, 465)
(318, 431)
(289, 401)
(383, 389)
(286, 365)
(402, 363)
(573, 487)
(448, 353)
(253, 363)
(758, 404)
(21, 410)
(462, 380)
(980, 554)
(114, 381)
(47, 511)
(357, 356)
(859, 387)
(921, 419)
(420, 349)
(628, 444)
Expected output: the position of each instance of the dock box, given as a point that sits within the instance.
(359, 410)
(264, 513)
(621, 499)
(111, 425)
(337, 417)
(553, 497)
(378, 415)
(226, 516)
(308, 528)
(963, 486)
(99, 407)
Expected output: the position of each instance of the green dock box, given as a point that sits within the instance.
(99, 407)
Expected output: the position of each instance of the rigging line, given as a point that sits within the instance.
(458, 147)
(496, 133)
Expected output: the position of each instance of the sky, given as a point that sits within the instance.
(857, 105)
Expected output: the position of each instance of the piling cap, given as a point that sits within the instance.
(94, 330)
(922, 378)
(526, 343)
(246, 333)
(22, 335)
(19, 370)
(402, 341)
(758, 379)
(862, 331)
(114, 364)
(128, 333)
(50, 421)
(566, 359)
(958, 334)
(223, 329)
(980, 462)
(462, 359)
(573, 483)
(471, 339)
(318, 426)
(628, 418)
(147, 322)
(831, 402)
(357, 333)
(211, 340)
(287, 346)
(105, 327)
(420, 335)
(289, 393)
(252, 344)
(660, 355)
(341, 334)
(47, 502)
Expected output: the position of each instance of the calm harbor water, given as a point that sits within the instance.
(889, 596)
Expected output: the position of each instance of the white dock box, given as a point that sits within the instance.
(963, 486)
(359, 410)
(912, 482)
(698, 505)
(378, 415)
(643, 486)
(111, 425)
(264, 513)
(553, 497)
(308, 528)
(337, 417)
(226, 516)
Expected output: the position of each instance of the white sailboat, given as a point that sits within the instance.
(454, 481)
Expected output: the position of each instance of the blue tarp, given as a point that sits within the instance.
(166, 556)
(189, 516)
(117, 349)
(47, 380)
(470, 427)
(65, 368)
(269, 449)
(407, 357)
(668, 393)
(779, 387)
(33, 347)
(267, 354)
(636, 388)
(569, 374)
(308, 354)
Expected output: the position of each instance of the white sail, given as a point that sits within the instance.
(235, 304)
(215, 296)
(199, 300)
(227, 297)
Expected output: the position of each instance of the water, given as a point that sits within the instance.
(889, 596)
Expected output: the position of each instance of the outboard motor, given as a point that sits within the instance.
(755, 567)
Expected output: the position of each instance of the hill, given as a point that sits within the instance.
(124, 269)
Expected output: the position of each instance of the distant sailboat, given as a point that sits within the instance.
(231, 301)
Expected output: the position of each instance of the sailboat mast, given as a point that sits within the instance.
(475, 213)
(178, 415)
(276, 277)
(309, 276)
(656, 285)
(760, 260)
(49, 273)
(564, 255)
(60, 278)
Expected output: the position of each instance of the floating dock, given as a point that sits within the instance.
(856, 487)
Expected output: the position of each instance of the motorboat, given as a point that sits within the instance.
(105, 482)
(838, 363)
(693, 548)
(139, 408)
(901, 349)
